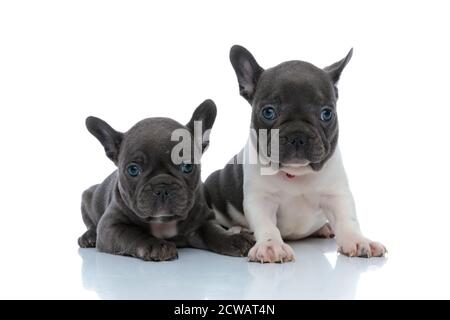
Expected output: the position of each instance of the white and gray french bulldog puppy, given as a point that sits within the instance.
(307, 192)
(151, 205)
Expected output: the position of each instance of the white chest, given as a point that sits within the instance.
(299, 216)
(164, 230)
(299, 211)
(298, 196)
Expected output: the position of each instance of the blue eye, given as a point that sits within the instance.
(326, 114)
(187, 167)
(269, 113)
(134, 170)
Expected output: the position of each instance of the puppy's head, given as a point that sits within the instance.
(152, 184)
(297, 98)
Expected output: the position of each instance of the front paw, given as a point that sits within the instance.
(158, 250)
(88, 239)
(237, 244)
(356, 245)
(271, 251)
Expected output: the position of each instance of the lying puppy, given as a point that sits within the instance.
(150, 205)
(307, 192)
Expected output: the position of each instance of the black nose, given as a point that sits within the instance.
(298, 140)
(161, 191)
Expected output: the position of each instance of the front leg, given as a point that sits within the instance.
(123, 238)
(212, 236)
(261, 213)
(340, 211)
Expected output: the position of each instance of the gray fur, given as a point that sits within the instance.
(119, 212)
(298, 91)
(225, 187)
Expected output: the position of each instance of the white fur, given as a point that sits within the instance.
(221, 218)
(278, 207)
(236, 216)
(164, 230)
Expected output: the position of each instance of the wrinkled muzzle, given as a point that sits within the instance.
(301, 146)
(163, 201)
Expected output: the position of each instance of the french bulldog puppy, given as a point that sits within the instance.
(306, 193)
(150, 205)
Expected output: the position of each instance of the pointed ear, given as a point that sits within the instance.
(108, 137)
(202, 120)
(335, 70)
(247, 71)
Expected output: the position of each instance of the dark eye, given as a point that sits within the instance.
(186, 167)
(134, 170)
(326, 114)
(269, 113)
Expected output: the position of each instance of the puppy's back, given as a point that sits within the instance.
(96, 199)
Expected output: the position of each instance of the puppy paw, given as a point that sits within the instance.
(88, 239)
(271, 251)
(237, 244)
(355, 245)
(324, 232)
(159, 250)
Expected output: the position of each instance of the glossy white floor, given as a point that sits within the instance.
(318, 273)
(62, 61)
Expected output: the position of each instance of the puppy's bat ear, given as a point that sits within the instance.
(247, 71)
(108, 137)
(335, 70)
(202, 121)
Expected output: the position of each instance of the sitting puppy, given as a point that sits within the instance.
(307, 194)
(150, 205)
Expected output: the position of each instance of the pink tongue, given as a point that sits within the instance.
(290, 176)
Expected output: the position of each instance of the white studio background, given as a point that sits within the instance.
(61, 61)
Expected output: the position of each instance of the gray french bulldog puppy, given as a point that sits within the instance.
(150, 205)
(307, 192)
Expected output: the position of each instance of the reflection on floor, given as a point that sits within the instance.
(319, 272)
